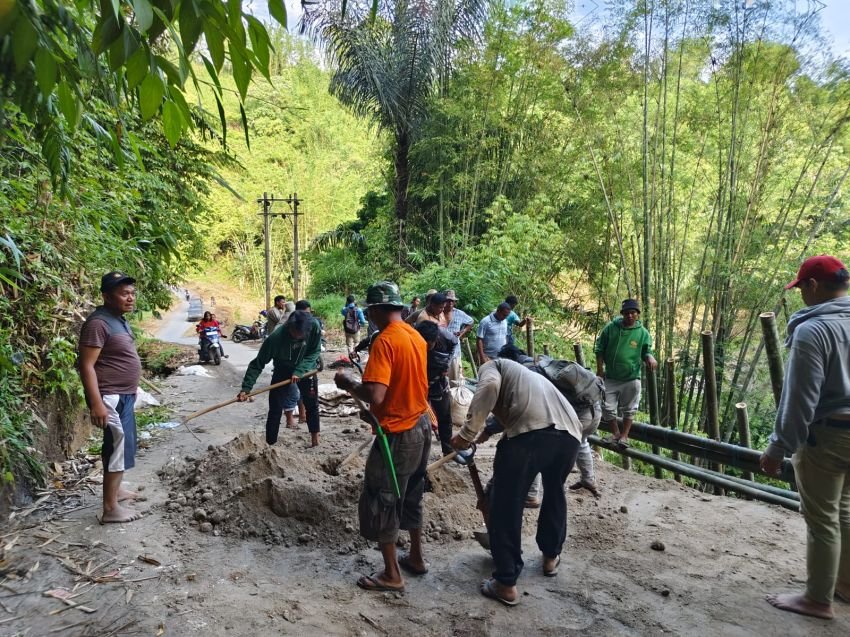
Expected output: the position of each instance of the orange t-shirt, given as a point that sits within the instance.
(398, 359)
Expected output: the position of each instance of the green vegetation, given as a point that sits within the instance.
(689, 154)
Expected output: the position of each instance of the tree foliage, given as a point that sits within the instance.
(134, 55)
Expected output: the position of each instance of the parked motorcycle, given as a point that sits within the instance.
(209, 346)
(255, 332)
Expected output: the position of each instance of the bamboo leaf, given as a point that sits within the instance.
(245, 126)
(69, 105)
(190, 26)
(215, 44)
(144, 14)
(150, 95)
(277, 10)
(172, 122)
(137, 67)
(24, 42)
(105, 33)
(241, 71)
(45, 70)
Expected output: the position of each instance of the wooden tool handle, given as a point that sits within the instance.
(439, 463)
(253, 393)
(355, 453)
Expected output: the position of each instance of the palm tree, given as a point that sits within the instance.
(389, 58)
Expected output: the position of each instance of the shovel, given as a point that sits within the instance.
(482, 503)
(233, 400)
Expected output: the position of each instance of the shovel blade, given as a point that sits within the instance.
(483, 538)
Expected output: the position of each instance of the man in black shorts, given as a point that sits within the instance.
(110, 368)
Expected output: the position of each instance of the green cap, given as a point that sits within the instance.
(384, 293)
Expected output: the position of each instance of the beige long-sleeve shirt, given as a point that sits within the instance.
(521, 400)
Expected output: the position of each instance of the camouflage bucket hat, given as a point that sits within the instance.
(384, 293)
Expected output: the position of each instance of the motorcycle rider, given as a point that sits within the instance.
(201, 328)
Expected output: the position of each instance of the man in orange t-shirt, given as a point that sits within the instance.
(395, 384)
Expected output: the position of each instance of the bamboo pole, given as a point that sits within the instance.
(774, 353)
(710, 394)
(671, 403)
(579, 352)
(743, 431)
(471, 357)
(652, 399)
(529, 336)
(720, 481)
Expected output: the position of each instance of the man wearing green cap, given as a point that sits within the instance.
(395, 384)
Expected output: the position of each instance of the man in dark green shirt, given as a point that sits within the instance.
(619, 350)
(295, 349)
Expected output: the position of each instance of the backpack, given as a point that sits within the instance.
(351, 324)
(580, 386)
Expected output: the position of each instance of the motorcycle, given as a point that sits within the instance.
(255, 332)
(209, 346)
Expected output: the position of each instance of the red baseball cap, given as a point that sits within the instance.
(821, 268)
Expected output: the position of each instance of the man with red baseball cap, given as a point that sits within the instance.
(813, 424)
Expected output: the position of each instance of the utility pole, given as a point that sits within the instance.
(293, 203)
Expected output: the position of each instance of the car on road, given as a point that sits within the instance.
(196, 310)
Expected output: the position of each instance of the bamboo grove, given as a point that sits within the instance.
(685, 152)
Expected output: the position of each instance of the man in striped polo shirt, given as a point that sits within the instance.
(110, 369)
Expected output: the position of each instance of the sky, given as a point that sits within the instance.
(835, 16)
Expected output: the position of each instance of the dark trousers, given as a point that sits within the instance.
(518, 460)
(309, 388)
(442, 407)
(280, 399)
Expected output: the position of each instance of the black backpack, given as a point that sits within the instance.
(351, 324)
(578, 385)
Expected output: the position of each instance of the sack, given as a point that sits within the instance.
(461, 398)
(351, 323)
(580, 386)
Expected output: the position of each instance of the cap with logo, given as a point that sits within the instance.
(111, 280)
(630, 305)
(820, 268)
(450, 295)
(384, 293)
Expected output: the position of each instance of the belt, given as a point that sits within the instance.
(835, 422)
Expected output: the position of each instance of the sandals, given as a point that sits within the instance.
(407, 567)
(372, 583)
(554, 571)
(488, 590)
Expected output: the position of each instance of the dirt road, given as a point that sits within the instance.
(281, 553)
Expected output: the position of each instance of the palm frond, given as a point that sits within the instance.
(338, 238)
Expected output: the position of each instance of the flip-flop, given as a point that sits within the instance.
(372, 583)
(488, 591)
(101, 521)
(406, 566)
(554, 571)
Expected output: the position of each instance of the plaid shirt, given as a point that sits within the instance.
(460, 319)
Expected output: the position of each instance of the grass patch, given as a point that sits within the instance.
(161, 358)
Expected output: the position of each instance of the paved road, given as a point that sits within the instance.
(173, 330)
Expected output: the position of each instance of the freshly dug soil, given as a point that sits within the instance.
(246, 488)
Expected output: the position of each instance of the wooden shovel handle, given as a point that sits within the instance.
(253, 393)
(439, 463)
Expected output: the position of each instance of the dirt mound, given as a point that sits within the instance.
(246, 488)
